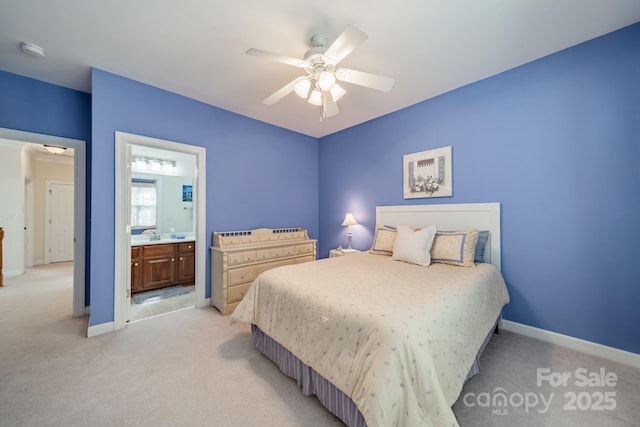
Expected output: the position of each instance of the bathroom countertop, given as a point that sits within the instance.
(145, 242)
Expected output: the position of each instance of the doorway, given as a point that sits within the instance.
(16, 137)
(122, 288)
(163, 270)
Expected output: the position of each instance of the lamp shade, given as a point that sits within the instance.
(349, 220)
(336, 92)
(326, 80)
(315, 98)
(302, 88)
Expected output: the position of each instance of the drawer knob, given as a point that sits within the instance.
(172, 259)
(135, 263)
(189, 246)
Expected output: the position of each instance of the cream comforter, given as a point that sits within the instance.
(399, 339)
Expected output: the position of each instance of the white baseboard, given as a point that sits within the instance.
(12, 273)
(588, 347)
(103, 328)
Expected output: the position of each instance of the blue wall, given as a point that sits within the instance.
(556, 142)
(34, 106)
(258, 175)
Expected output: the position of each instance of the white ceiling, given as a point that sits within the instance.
(196, 48)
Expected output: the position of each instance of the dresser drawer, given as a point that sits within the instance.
(237, 258)
(275, 253)
(269, 265)
(242, 274)
(281, 252)
(307, 258)
(263, 254)
(237, 292)
(304, 249)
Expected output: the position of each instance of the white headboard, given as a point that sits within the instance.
(483, 216)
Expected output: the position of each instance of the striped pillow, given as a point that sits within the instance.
(455, 247)
(383, 240)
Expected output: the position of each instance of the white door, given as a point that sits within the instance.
(60, 222)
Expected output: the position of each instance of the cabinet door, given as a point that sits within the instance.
(136, 275)
(158, 272)
(136, 270)
(187, 267)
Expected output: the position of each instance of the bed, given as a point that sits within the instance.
(383, 342)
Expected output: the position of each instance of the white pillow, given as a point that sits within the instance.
(413, 246)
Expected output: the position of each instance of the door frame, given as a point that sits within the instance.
(28, 222)
(122, 264)
(79, 195)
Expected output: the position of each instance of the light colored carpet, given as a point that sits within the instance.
(191, 368)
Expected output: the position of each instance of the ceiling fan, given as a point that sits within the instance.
(320, 84)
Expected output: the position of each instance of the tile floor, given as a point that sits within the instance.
(156, 308)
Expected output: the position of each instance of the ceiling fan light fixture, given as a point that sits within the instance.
(319, 85)
(337, 92)
(316, 97)
(326, 80)
(302, 88)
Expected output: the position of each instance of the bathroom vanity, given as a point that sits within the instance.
(161, 263)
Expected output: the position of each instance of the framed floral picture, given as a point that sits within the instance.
(427, 174)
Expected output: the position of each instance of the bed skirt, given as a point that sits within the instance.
(312, 383)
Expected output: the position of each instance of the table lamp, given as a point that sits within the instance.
(349, 220)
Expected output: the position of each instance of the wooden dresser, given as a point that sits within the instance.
(238, 257)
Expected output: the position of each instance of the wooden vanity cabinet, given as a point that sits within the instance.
(161, 265)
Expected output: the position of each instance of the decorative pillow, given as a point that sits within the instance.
(455, 247)
(383, 240)
(413, 246)
(483, 236)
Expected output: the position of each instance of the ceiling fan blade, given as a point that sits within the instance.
(346, 42)
(300, 63)
(282, 92)
(361, 78)
(329, 105)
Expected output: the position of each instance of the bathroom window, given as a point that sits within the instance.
(144, 201)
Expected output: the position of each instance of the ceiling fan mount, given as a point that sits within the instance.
(320, 85)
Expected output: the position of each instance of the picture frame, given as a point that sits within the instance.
(428, 174)
(187, 193)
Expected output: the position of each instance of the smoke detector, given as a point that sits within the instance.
(32, 49)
